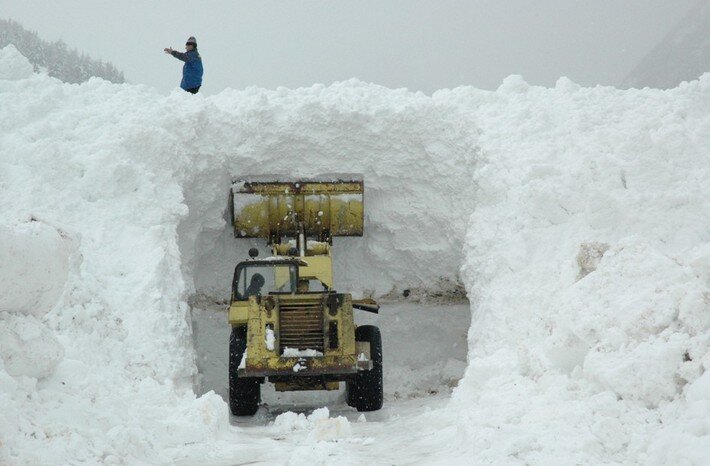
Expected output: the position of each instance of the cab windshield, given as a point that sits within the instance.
(261, 279)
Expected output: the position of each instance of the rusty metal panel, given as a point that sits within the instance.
(302, 384)
(301, 322)
(273, 206)
(299, 367)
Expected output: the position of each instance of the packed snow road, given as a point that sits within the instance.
(424, 349)
(403, 432)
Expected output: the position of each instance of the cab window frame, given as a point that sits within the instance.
(242, 267)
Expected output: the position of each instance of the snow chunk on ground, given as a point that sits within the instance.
(319, 424)
(628, 314)
(35, 266)
(28, 347)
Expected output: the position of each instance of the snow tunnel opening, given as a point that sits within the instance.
(418, 199)
(424, 328)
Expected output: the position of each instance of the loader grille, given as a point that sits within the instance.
(301, 325)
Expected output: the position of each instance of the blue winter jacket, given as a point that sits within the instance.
(191, 70)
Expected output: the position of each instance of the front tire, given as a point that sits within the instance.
(365, 392)
(244, 392)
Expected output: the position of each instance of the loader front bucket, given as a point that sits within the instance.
(273, 207)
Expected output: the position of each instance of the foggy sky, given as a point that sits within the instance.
(423, 45)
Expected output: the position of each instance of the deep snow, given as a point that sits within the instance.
(578, 218)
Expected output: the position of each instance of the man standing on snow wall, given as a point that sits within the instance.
(192, 69)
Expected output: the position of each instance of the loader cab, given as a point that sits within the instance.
(264, 277)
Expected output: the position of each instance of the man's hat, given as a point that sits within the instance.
(191, 41)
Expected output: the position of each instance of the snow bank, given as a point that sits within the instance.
(587, 260)
(601, 362)
(121, 313)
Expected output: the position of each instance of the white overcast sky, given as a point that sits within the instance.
(423, 45)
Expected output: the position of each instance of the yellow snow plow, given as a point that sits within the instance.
(288, 323)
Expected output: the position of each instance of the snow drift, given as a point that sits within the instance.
(603, 361)
(587, 259)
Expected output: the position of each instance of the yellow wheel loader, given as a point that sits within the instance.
(288, 323)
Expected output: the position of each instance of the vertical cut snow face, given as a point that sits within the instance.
(560, 367)
(416, 160)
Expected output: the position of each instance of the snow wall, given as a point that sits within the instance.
(577, 218)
